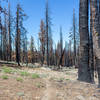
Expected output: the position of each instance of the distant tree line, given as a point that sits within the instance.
(82, 49)
(14, 44)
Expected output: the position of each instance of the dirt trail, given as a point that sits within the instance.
(64, 85)
(52, 85)
(50, 92)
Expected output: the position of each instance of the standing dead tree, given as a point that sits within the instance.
(84, 71)
(10, 19)
(17, 36)
(20, 15)
(91, 53)
(42, 39)
(61, 46)
(47, 32)
(96, 35)
(49, 41)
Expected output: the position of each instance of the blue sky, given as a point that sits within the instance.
(61, 12)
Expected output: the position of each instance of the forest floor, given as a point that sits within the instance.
(44, 84)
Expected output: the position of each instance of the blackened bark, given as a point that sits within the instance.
(84, 72)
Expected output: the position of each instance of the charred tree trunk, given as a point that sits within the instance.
(91, 54)
(9, 35)
(74, 33)
(96, 36)
(17, 38)
(84, 71)
(47, 27)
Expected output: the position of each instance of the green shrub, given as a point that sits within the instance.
(67, 79)
(61, 79)
(4, 77)
(7, 70)
(40, 85)
(67, 73)
(24, 73)
(34, 76)
(19, 79)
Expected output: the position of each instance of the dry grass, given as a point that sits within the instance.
(41, 84)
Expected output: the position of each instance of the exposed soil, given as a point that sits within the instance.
(52, 85)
